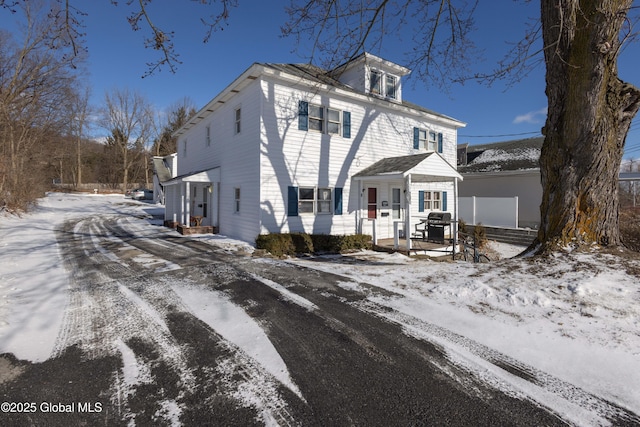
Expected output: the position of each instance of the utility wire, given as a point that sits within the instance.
(498, 136)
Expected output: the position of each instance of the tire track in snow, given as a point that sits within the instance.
(113, 303)
(476, 358)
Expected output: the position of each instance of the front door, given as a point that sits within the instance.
(372, 203)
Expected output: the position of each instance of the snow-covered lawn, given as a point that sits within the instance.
(573, 316)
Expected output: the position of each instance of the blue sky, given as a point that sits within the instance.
(117, 59)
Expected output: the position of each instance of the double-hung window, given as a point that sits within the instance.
(428, 140)
(306, 199)
(238, 117)
(333, 121)
(422, 138)
(316, 118)
(375, 82)
(314, 201)
(323, 202)
(433, 141)
(324, 119)
(432, 200)
(391, 83)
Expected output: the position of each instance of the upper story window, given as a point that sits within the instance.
(432, 144)
(316, 118)
(383, 84)
(208, 137)
(184, 148)
(391, 83)
(375, 82)
(238, 116)
(333, 121)
(427, 140)
(324, 119)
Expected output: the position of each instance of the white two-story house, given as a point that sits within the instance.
(295, 148)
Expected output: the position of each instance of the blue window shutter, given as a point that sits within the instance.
(444, 200)
(303, 115)
(346, 124)
(337, 195)
(292, 207)
(421, 201)
(416, 138)
(439, 142)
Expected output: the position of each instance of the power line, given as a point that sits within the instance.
(498, 136)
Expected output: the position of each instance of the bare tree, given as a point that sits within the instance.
(35, 81)
(68, 18)
(80, 109)
(176, 116)
(129, 117)
(590, 108)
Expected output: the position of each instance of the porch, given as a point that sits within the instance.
(387, 210)
(192, 202)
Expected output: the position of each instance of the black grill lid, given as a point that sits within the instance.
(439, 216)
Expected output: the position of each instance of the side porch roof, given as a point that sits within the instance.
(209, 175)
(422, 167)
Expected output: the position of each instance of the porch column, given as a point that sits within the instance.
(187, 204)
(455, 215)
(407, 210)
(359, 211)
(182, 203)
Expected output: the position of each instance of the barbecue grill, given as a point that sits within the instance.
(436, 223)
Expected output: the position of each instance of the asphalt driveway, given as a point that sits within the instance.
(141, 344)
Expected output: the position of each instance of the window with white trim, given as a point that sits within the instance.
(333, 121)
(312, 200)
(433, 141)
(391, 83)
(306, 199)
(236, 200)
(422, 137)
(316, 118)
(375, 82)
(238, 117)
(323, 204)
(384, 84)
(432, 200)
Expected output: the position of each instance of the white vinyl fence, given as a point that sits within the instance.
(492, 211)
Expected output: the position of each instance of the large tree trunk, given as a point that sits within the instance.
(590, 111)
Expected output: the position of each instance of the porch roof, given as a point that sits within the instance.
(209, 175)
(421, 167)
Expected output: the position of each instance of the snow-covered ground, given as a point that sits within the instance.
(575, 317)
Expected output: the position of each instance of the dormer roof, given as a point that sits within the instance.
(371, 60)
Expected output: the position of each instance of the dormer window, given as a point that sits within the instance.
(383, 84)
(375, 82)
(391, 83)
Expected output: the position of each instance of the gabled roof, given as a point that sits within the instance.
(419, 165)
(507, 156)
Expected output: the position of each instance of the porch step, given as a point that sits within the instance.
(514, 236)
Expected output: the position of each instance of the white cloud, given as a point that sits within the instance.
(532, 117)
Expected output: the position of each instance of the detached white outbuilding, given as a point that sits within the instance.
(295, 148)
